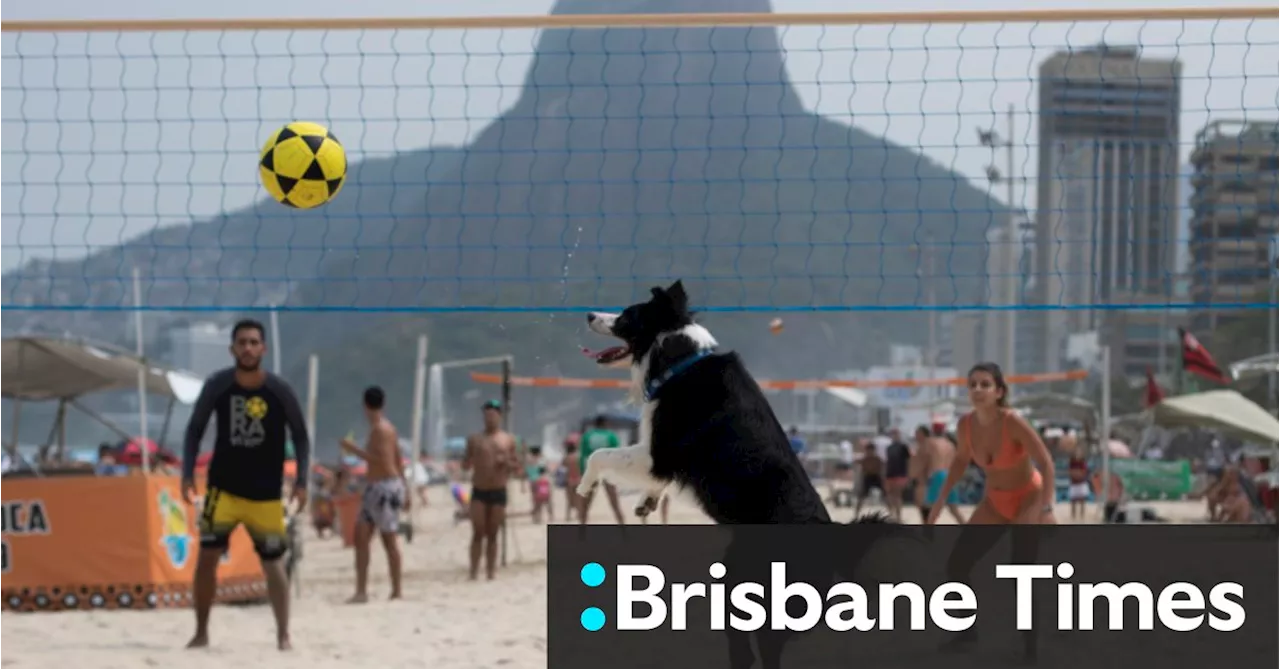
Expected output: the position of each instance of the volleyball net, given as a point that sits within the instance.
(1039, 160)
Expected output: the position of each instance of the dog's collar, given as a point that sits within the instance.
(652, 385)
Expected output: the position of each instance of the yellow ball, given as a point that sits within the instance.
(303, 165)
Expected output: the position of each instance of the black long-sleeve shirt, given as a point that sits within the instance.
(249, 451)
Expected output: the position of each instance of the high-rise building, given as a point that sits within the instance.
(1107, 187)
(966, 340)
(980, 336)
(993, 344)
(1143, 340)
(1233, 224)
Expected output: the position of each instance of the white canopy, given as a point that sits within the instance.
(1258, 365)
(1058, 405)
(48, 368)
(1224, 410)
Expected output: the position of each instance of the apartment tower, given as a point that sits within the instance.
(1107, 188)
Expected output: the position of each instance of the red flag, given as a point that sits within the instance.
(1154, 392)
(1196, 359)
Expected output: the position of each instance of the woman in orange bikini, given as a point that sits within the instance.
(1017, 465)
(1008, 449)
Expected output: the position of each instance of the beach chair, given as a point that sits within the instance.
(1257, 508)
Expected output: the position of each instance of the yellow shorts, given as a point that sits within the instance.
(264, 520)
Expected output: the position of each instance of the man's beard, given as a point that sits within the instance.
(248, 368)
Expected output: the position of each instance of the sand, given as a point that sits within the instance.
(445, 621)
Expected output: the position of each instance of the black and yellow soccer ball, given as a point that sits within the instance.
(303, 165)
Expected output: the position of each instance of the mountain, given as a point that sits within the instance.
(632, 157)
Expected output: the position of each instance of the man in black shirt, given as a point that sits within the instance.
(253, 410)
(897, 459)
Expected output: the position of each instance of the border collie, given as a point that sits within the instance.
(707, 427)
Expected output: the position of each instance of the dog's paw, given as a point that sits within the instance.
(586, 488)
(647, 506)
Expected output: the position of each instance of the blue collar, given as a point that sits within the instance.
(652, 385)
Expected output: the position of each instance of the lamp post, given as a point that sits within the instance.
(927, 271)
(992, 139)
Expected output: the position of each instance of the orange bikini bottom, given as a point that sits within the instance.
(1008, 502)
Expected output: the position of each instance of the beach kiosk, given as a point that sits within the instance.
(80, 541)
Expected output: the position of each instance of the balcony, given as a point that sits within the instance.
(1228, 195)
(1221, 175)
(1226, 137)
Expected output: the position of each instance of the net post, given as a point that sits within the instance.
(275, 340)
(12, 446)
(506, 393)
(419, 389)
(142, 374)
(506, 425)
(1014, 252)
(313, 386)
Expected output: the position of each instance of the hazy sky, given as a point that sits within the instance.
(118, 134)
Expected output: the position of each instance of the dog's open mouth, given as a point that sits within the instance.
(608, 355)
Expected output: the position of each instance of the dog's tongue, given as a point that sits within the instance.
(601, 353)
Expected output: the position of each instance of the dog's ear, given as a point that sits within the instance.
(675, 292)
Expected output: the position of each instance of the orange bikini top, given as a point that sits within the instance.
(1010, 453)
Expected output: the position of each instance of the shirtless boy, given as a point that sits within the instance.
(491, 456)
(936, 454)
(385, 494)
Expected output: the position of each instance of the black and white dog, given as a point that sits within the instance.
(706, 425)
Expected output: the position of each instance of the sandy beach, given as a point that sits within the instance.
(444, 622)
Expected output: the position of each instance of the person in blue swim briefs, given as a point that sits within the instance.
(936, 454)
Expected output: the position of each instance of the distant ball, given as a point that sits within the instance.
(303, 165)
(775, 326)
